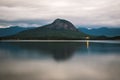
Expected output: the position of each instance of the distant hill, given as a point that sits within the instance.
(59, 29)
(103, 31)
(11, 30)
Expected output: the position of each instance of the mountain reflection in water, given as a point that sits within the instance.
(59, 51)
(59, 61)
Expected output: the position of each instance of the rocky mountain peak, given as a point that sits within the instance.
(62, 24)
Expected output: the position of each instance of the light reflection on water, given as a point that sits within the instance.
(59, 61)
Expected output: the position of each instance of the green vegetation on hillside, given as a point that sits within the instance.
(44, 33)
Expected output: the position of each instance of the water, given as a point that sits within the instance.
(50, 60)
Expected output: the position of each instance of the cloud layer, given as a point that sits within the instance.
(80, 12)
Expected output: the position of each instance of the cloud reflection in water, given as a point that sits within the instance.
(59, 61)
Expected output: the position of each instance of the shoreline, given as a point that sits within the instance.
(100, 41)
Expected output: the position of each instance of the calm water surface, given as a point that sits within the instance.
(82, 60)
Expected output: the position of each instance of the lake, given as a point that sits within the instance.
(60, 60)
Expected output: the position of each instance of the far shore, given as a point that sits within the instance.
(103, 41)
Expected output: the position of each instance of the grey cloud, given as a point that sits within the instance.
(80, 12)
(24, 23)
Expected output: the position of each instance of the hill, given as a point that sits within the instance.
(59, 29)
(103, 31)
(12, 30)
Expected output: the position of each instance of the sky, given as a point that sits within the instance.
(40, 12)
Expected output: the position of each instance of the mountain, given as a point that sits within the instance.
(61, 24)
(58, 29)
(11, 30)
(103, 31)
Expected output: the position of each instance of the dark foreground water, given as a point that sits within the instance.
(86, 60)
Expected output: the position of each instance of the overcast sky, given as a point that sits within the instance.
(40, 12)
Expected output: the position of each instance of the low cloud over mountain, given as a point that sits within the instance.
(80, 12)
